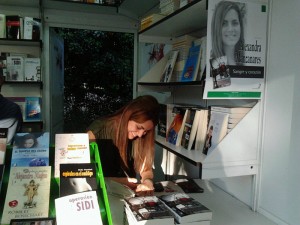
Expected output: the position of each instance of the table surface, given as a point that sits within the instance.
(226, 209)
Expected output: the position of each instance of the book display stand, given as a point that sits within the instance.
(54, 188)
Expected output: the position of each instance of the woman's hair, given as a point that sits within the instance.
(220, 12)
(140, 110)
(30, 136)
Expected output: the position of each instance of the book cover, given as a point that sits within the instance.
(162, 121)
(216, 131)
(32, 27)
(37, 221)
(220, 72)
(168, 70)
(14, 68)
(14, 26)
(190, 128)
(3, 142)
(71, 148)
(76, 178)
(186, 209)
(2, 26)
(174, 130)
(2, 167)
(30, 149)
(76, 208)
(32, 69)
(27, 194)
(191, 66)
(201, 130)
(147, 210)
(33, 109)
(188, 185)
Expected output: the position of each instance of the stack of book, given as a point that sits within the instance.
(170, 208)
(181, 44)
(149, 20)
(235, 114)
(168, 6)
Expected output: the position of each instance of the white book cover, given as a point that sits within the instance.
(15, 68)
(2, 26)
(3, 142)
(28, 193)
(71, 148)
(216, 131)
(32, 69)
(78, 209)
(201, 130)
(28, 25)
(168, 70)
(228, 109)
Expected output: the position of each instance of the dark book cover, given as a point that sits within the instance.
(13, 27)
(189, 186)
(187, 128)
(162, 121)
(77, 177)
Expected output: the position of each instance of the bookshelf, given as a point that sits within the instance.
(238, 153)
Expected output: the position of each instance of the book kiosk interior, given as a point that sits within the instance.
(221, 97)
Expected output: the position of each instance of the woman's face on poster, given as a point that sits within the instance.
(231, 29)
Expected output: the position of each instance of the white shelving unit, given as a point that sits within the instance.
(237, 154)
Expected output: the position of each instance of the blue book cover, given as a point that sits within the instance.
(30, 149)
(33, 109)
(191, 66)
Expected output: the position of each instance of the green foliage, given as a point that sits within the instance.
(98, 75)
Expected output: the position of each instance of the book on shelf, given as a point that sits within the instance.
(32, 28)
(28, 193)
(2, 25)
(14, 68)
(30, 149)
(162, 121)
(149, 20)
(216, 130)
(185, 208)
(32, 69)
(14, 27)
(227, 109)
(3, 143)
(203, 45)
(174, 132)
(33, 109)
(147, 210)
(168, 6)
(201, 130)
(76, 208)
(190, 128)
(71, 148)
(220, 72)
(168, 70)
(76, 178)
(191, 66)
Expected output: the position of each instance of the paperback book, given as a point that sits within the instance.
(191, 66)
(33, 109)
(186, 209)
(168, 70)
(14, 27)
(76, 178)
(14, 68)
(32, 27)
(71, 148)
(3, 141)
(27, 194)
(174, 130)
(76, 208)
(32, 69)
(147, 210)
(30, 149)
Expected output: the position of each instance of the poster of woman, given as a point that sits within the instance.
(236, 49)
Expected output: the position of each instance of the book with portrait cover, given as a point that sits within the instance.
(77, 177)
(175, 129)
(185, 208)
(147, 210)
(3, 141)
(76, 208)
(71, 148)
(28, 193)
(30, 149)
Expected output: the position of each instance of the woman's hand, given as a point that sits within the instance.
(146, 188)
